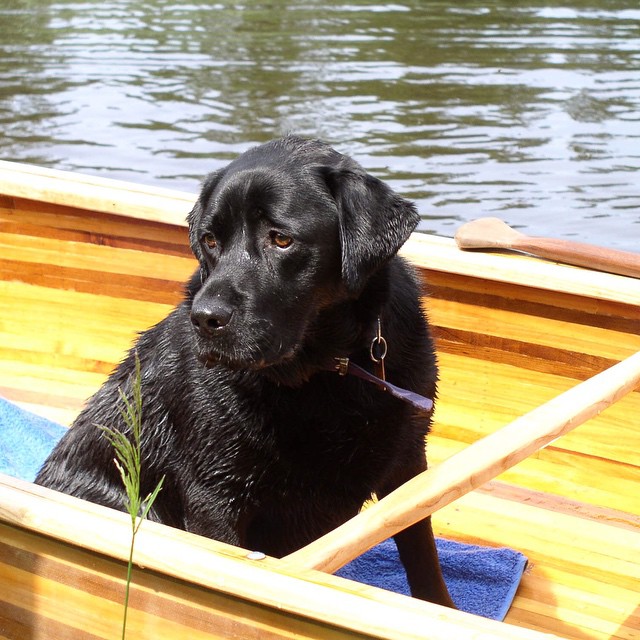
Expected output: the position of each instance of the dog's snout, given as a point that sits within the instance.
(211, 315)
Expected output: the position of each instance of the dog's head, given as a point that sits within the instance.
(285, 231)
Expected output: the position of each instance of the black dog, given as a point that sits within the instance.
(263, 444)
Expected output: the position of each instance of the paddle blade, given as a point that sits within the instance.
(486, 233)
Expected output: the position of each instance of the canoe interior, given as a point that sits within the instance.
(78, 284)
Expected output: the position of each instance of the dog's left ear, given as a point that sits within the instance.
(374, 223)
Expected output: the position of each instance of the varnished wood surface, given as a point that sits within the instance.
(471, 468)
(77, 286)
(190, 585)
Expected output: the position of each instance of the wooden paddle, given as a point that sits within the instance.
(493, 233)
(468, 469)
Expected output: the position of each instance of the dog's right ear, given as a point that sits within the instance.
(199, 208)
(373, 222)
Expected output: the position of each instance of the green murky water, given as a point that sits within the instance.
(525, 110)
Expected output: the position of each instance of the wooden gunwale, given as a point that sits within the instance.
(195, 561)
(582, 582)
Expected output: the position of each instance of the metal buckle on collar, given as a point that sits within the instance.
(378, 352)
(342, 366)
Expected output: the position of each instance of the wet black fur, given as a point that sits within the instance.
(261, 446)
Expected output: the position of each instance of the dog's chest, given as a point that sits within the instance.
(327, 438)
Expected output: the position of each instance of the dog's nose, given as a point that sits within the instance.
(210, 315)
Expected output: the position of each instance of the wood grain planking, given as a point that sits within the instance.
(574, 508)
(600, 483)
(113, 285)
(90, 346)
(548, 538)
(610, 436)
(509, 389)
(562, 588)
(570, 627)
(93, 591)
(50, 381)
(46, 351)
(530, 331)
(570, 364)
(151, 614)
(77, 311)
(224, 571)
(570, 570)
(85, 256)
(550, 541)
(70, 218)
(561, 305)
(38, 220)
(614, 312)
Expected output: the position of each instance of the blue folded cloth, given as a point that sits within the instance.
(481, 580)
(25, 441)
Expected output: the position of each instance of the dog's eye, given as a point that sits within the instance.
(210, 240)
(281, 240)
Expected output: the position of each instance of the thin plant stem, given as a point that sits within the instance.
(127, 588)
(128, 460)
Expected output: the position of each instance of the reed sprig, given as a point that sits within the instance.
(127, 445)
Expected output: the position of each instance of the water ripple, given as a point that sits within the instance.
(525, 111)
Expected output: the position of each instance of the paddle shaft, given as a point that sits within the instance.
(580, 254)
(469, 469)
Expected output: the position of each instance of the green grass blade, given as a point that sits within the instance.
(128, 450)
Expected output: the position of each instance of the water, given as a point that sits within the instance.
(529, 111)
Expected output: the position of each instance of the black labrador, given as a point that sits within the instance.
(263, 444)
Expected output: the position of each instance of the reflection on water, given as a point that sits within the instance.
(528, 112)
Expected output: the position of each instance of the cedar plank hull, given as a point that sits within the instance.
(86, 264)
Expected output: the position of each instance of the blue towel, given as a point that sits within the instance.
(25, 441)
(481, 580)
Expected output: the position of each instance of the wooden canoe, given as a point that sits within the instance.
(87, 263)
